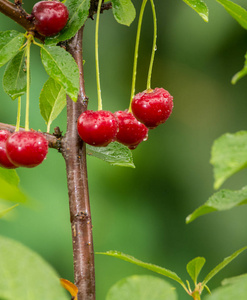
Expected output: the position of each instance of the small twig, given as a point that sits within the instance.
(106, 6)
(53, 141)
(94, 5)
(19, 15)
(18, 2)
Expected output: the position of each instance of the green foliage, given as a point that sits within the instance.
(115, 154)
(123, 11)
(240, 15)
(236, 11)
(78, 13)
(15, 76)
(10, 43)
(234, 288)
(222, 265)
(241, 73)
(9, 189)
(5, 211)
(222, 200)
(25, 275)
(234, 279)
(200, 7)
(142, 288)
(194, 268)
(52, 101)
(10, 176)
(151, 267)
(60, 65)
(229, 155)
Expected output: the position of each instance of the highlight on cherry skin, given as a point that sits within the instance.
(27, 148)
(131, 132)
(50, 17)
(152, 107)
(97, 128)
(4, 160)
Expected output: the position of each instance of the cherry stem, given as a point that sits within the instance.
(144, 2)
(154, 46)
(29, 41)
(196, 296)
(17, 128)
(97, 55)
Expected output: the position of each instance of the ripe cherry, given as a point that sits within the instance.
(131, 132)
(4, 161)
(50, 17)
(27, 148)
(152, 107)
(97, 128)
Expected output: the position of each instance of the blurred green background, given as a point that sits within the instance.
(142, 211)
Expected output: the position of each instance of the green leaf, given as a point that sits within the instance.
(236, 11)
(237, 289)
(15, 76)
(241, 73)
(200, 7)
(52, 100)
(3, 212)
(228, 156)
(115, 154)
(233, 280)
(123, 11)
(9, 186)
(194, 267)
(10, 43)
(220, 201)
(61, 66)
(148, 266)
(142, 288)
(11, 193)
(25, 275)
(10, 176)
(78, 13)
(222, 265)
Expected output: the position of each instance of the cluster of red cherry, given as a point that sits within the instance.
(22, 149)
(149, 109)
(29, 148)
(98, 128)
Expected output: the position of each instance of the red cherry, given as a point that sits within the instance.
(50, 17)
(97, 128)
(131, 132)
(4, 161)
(152, 107)
(27, 148)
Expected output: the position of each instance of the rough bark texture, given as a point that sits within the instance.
(19, 15)
(54, 140)
(74, 152)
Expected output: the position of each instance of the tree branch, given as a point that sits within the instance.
(94, 5)
(74, 152)
(54, 140)
(19, 15)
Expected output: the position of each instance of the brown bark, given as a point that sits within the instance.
(74, 152)
(54, 140)
(19, 15)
